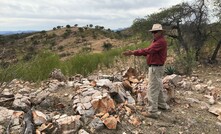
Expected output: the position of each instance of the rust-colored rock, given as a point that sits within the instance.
(133, 79)
(135, 121)
(130, 72)
(103, 105)
(110, 122)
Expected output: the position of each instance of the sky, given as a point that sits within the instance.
(46, 14)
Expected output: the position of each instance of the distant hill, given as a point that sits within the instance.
(16, 32)
(66, 42)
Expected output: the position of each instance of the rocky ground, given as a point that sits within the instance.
(113, 103)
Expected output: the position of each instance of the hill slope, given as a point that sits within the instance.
(63, 41)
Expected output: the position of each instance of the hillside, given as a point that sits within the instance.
(63, 41)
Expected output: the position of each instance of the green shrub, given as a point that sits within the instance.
(107, 46)
(185, 63)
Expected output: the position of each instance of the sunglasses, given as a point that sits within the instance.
(154, 32)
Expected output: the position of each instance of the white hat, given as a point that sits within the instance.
(156, 27)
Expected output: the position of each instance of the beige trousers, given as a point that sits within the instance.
(155, 89)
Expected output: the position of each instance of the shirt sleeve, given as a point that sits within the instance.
(141, 52)
(153, 48)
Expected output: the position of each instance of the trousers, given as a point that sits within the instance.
(155, 88)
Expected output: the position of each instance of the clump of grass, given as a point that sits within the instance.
(36, 69)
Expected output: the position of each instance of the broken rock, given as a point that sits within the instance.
(69, 124)
(110, 122)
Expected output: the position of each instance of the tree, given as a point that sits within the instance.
(139, 25)
(68, 26)
(185, 23)
(199, 26)
(188, 24)
(217, 11)
(91, 25)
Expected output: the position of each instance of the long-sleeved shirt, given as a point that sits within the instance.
(156, 53)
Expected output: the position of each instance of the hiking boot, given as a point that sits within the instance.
(166, 107)
(154, 115)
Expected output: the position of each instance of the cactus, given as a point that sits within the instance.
(170, 70)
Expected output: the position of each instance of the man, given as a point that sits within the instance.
(156, 55)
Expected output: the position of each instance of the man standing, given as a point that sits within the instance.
(156, 55)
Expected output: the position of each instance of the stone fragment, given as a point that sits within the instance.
(105, 116)
(104, 105)
(174, 79)
(130, 99)
(130, 72)
(45, 127)
(89, 112)
(96, 124)
(215, 109)
(2, 128)
(97, 93)
(5, 114)
(57, 74)
(69, 124)
(192, 100)
(118, 93)
(110, 77)
(135, 120)
(104, 82)
(39, 118)
(85, 99)
(18, 104)
(82, 131)
(88, 92)
(87, 105)
(110, 122)
(40, 97)
(127, 85)
(218, 125)
(70, 83)
(133, 79)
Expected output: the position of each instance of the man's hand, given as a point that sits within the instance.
(128, 53)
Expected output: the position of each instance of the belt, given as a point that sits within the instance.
(155, 65)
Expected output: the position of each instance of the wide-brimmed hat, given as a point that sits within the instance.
(156, 27)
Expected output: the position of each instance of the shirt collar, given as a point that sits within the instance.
(159, 37)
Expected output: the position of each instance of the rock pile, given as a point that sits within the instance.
(95, 102)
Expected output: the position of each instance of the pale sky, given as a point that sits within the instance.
(46, 14)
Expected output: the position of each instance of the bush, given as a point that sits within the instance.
(107, 46)
(185, 63)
